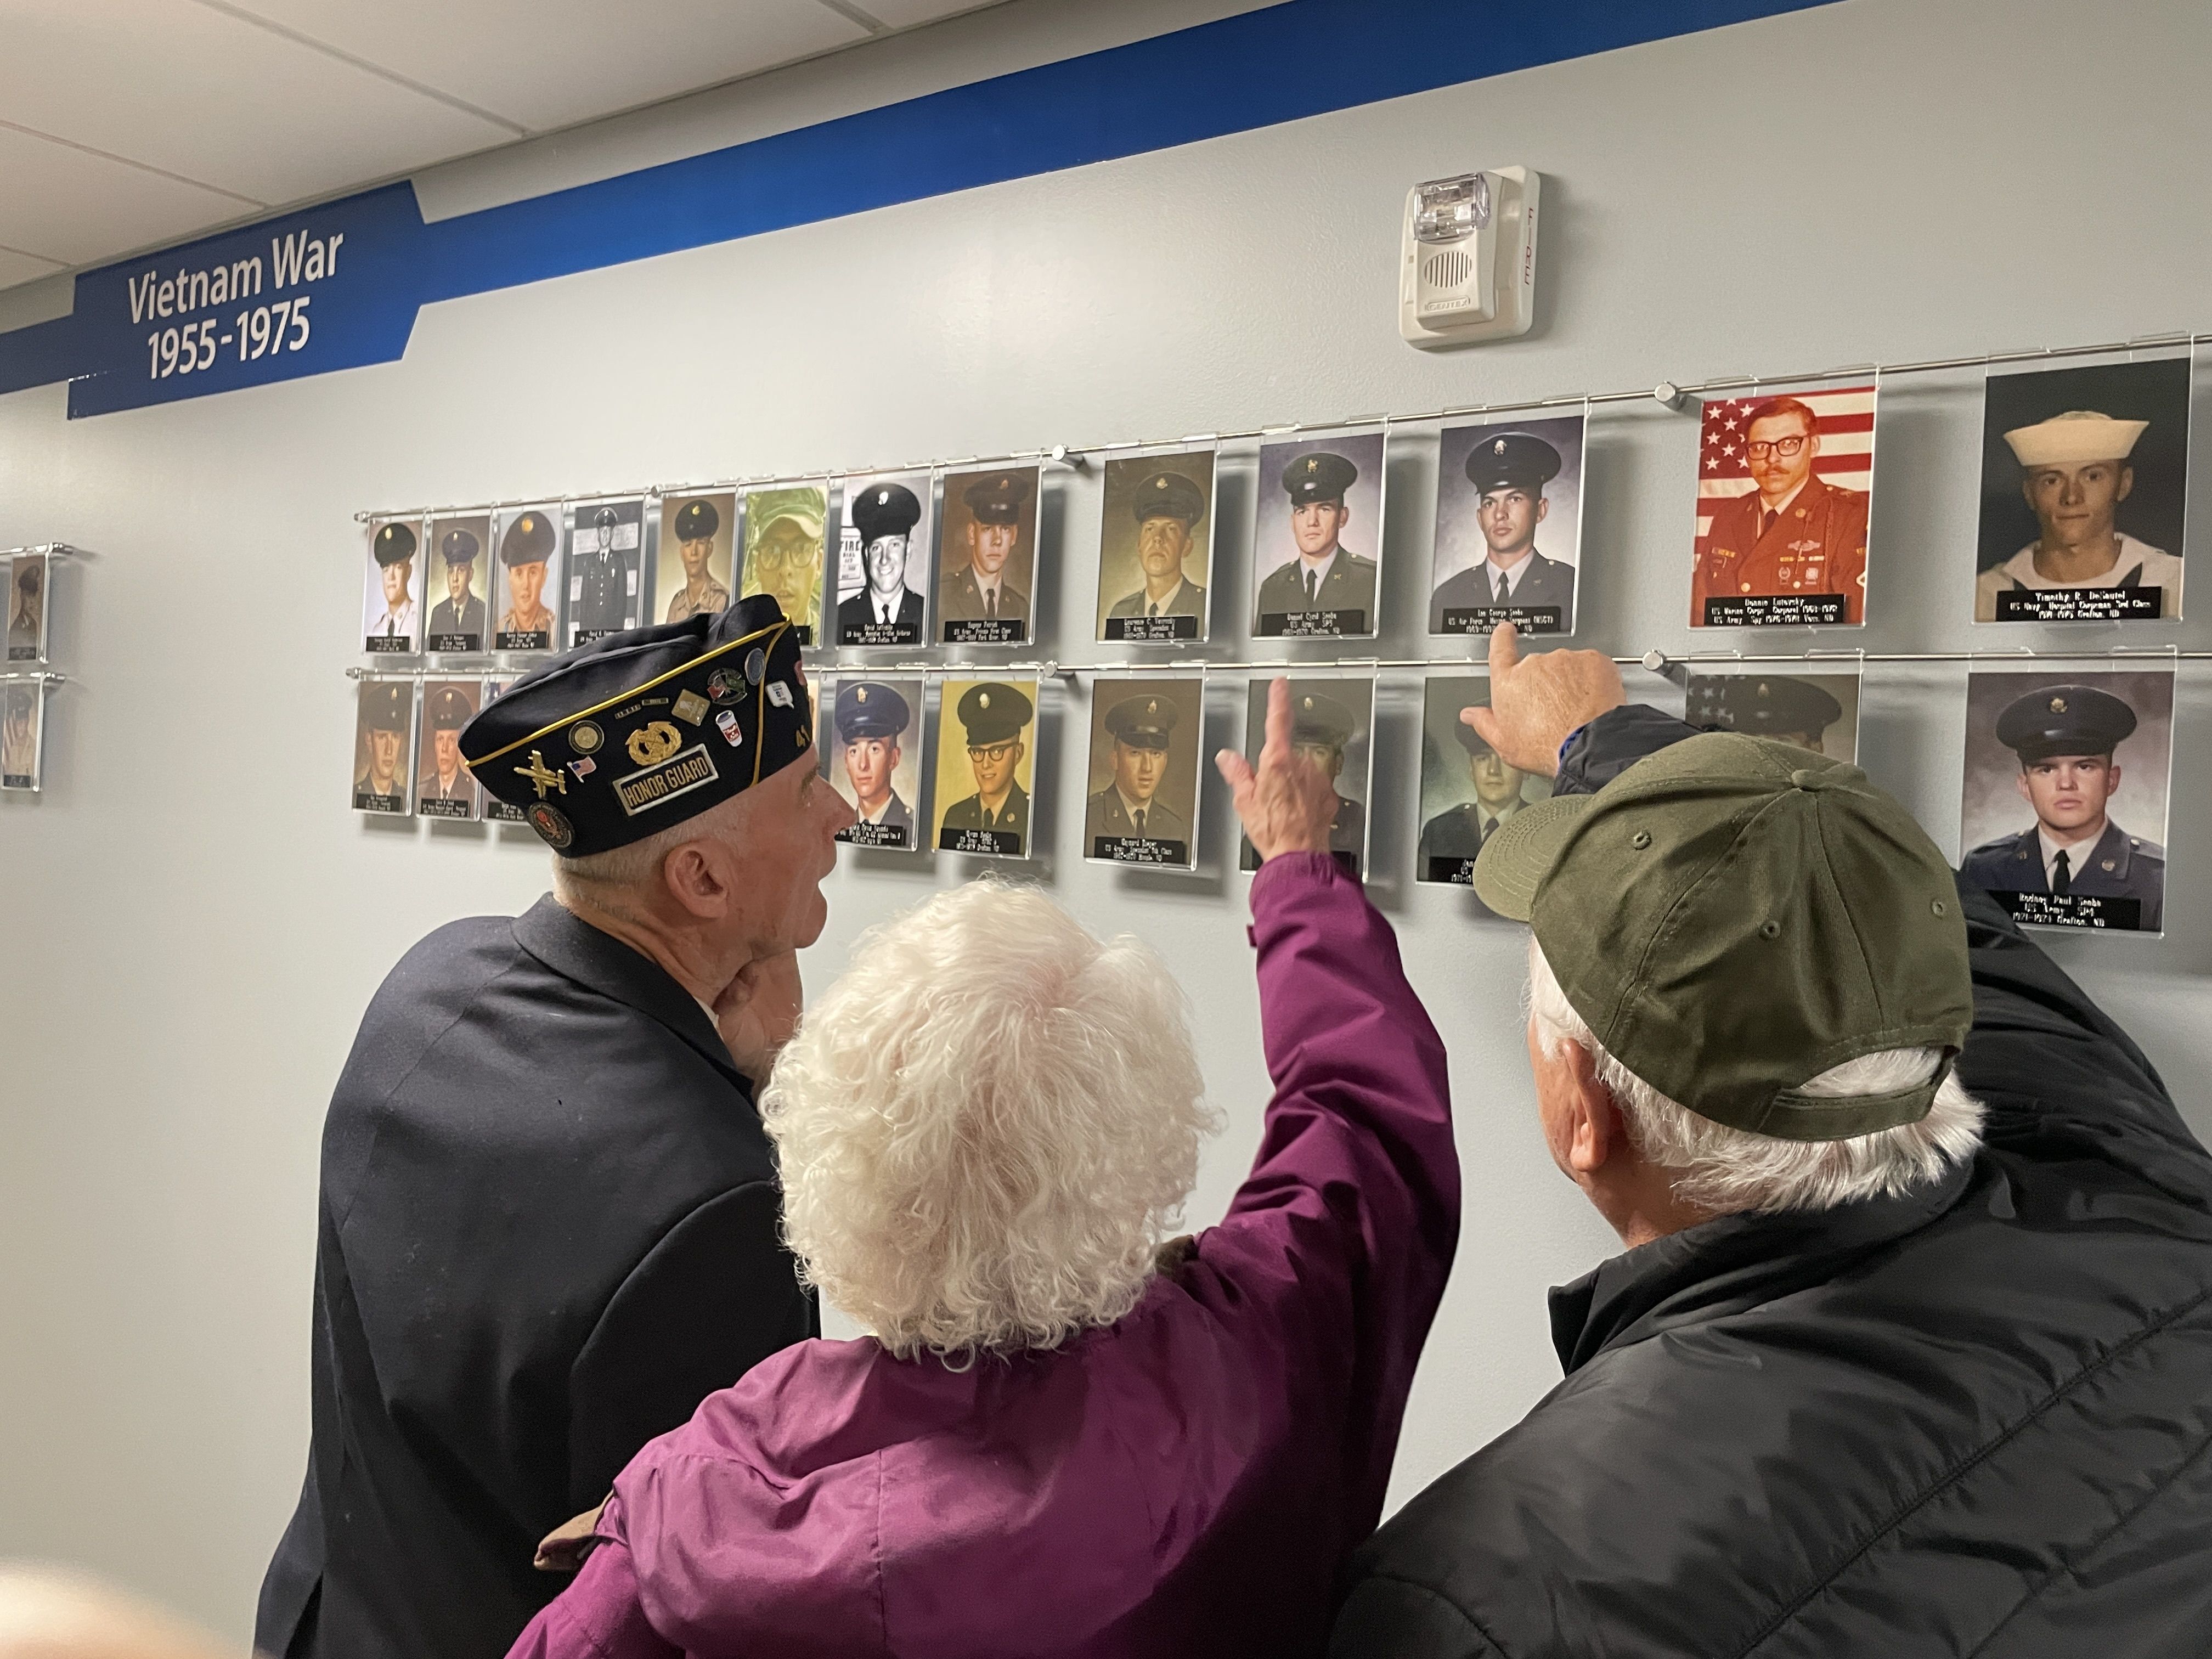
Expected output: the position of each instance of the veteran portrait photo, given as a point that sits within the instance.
(1155, 546)
(2087, 468)
(28, 608)
(1467, 790)
(1784, 486)
(1818, 712)
(1504, 495)
(983, 759)
(1330, 720)
(1315, 535)
(389, 619)
(1144, 796)
(606, 552)
(22, 718)
(459, 619)
(880, 596)
(443, 787)
(870, 764)
(528, 582)
(695, 555)
(2057, 754)
(379, 744)
(990, 553)
(784, 548)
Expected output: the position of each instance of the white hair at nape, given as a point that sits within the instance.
(987, 1125)
(1728, 1171)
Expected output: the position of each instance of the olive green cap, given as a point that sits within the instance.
(1731, 917)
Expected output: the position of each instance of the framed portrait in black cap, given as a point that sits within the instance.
(987, 557)
(1468, 790)
(1317, 536)
(1156, 545)
(458, 583)
(1141, 804)
(2062, 812)
(525, 572)
(871, 746)
(383, 746)
(607, 571)
(497, 810)
(22, 734)
(698, 538)
(785, 532)
(1331, 725)
(1815, 711)
(391, 591)
(1508, 527)
(986, 765)
(884, 527)
(443, 785)
(2085, 486)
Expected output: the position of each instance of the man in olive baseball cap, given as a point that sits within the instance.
(1868, 1378)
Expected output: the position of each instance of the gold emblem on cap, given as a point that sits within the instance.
(1308, 702)
(1313, 465)
(690, 709)
(2058, 705)
(882, 497)
(584, 737)
(1160, 482)
(861, 694)
(655, 743)
(529, 524)
(1500, 447)
(542, 775)
(1153, 706)
(982, 700)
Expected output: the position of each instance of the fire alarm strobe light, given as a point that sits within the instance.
(1468, 270)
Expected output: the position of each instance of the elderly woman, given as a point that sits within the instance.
(1060, 1438)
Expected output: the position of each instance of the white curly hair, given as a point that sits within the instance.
(987, 1125)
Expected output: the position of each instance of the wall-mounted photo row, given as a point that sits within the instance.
(22, 735)
(871, 746)
(987, 557)
(986, 766)
(1508, 527)
(392, 591)
(785, 532)
(527, 576)
(496, 810)
(383, 757)
(1156, 545)
(2066, 782)
(2084, 486)
(459, 577)
(1815, 711)
(1142, 800)
(1466, 788)
(1331, 725)
(698, 537)
(29, 578)
(1785, 484)
(444, 788)
(883, 544)
(607, 571)
(1317, 536)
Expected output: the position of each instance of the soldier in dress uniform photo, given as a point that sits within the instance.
(1501, 492)
(606, 562)
(28, 608)
(2073, 864)
(2087, 467)
(989, 549)
(1784, 486)
(1145, 772)
(989, 811)
(885, 606)
(784, 551)
(444, 788)
(695, 536)
(526, 548)
(1467, 789)
(1152, 553)
(389, 617)
(1818, 712)
(459, 621)
(1320, 504)
(1330, 721)
(22, 718)
(870, 761)
(381, 758)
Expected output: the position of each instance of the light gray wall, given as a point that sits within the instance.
(192, 920)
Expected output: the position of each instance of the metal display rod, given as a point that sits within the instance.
(46, 675)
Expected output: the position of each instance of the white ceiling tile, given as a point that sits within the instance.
(23, 267)
(63, 203)
(906, 13)
(225, 103)
(546, 63)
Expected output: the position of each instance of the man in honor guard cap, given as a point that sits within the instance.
(2065, 736)
(1509, 473)
(883, 516)
(1321, 727)
(524, 551)
(1129, 806)
(1168, 506)
(603, 575)
(549, 1211)
(871, 719)
(461, 613)
(443, 778)
(979, 590)
(384, 709)
(1323, 576)
(700, 594)
(2075, 473)
(393, 549)
(1763, 706)
(1459, 832)
(994, 716)
(1791, 533)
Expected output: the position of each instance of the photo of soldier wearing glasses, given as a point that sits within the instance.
(984, 767)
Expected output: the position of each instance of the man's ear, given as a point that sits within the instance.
(698, 878)
(2127, 483)
(1595, 1134)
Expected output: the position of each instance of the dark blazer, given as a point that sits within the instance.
(1349, 585)
(469, 619)
(1013, 817)
(1547, 581)
(959, 599)
(1190, 601)
(2120, 865)
(857, 613)
(1104, 817)
(547, 1230)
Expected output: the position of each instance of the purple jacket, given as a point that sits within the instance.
(1186, 1481)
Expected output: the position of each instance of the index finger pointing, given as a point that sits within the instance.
(1278, 747)
(1505, 651)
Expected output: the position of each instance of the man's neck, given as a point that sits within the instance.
(2064, 841)
(996, 804)
(1131, 804)
(386, 785)
(446, 779)
(1160, 589)
(700, 972)
(1315, 561)
(1507, 563)
(1777, 506)
(695, 585)
(2077, 562)
(989, 584)
(871, 810)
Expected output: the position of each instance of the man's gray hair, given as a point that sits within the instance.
(601, 878)
(1726, 1171)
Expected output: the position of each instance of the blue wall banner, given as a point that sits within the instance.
(339, 285)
